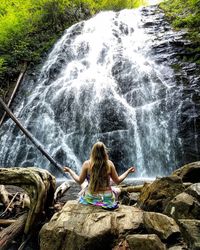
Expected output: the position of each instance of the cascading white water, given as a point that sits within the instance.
(100, 82)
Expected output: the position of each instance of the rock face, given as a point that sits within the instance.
(191, 232)
(183, 206)
(162, 225)
(189, 172)
(194, 190)
(144, 242)
(156, 196)
(87, 227)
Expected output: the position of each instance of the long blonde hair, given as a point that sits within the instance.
(99, 167)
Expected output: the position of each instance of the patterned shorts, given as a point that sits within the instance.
(106, 199)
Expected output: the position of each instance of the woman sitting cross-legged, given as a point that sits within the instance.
(98, 171)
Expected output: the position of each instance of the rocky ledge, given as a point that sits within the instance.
(166, 216)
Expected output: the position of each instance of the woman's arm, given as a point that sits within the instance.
(78, 178)
(118, 179)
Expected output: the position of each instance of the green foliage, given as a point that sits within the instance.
(183, 13)
(3, 68)
(97, 5)
(28, 28)
(186, 14)
(2, 65)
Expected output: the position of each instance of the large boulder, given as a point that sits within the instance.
(155, 196)
(189, 172)
(194, 190)
(184, 206)
(144, 242)
(191, 233)
(79, 226)
(162, 225)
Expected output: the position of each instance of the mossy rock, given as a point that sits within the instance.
(156, 196)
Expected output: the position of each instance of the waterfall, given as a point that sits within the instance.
(101, 81)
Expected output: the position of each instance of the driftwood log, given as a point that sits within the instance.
(4, 195)
(132, 189)
(39, 185)
(6, 222)
(11, 232)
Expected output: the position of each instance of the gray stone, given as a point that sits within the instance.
(134, 197)
(183, 206)
(191, 232)
(162, 225)
(144, 242)
(194, 190)
(189, 172)
(156, 196)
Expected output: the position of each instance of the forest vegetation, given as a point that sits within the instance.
(29, 28)
(185, 14)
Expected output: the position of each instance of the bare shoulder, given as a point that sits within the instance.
(86, 164)
(111, 163)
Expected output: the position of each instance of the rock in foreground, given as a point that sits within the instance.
(78, 226)
(144, 242)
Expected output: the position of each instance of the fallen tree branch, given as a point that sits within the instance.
(132, 189)
(6, 222)
(2, 214)
(10, 233)
(39, 185)
(4, 195)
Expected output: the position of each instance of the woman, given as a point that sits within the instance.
(98, 170)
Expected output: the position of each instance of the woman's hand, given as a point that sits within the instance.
(131, 170)
(79, 179)
(66, 169)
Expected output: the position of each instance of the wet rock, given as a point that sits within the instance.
(147, 24)
(191, 233)
(194, 190)
(189, 172)
(133, 198)
(127, 198)
(183, 206)
(155, 196)
(145, 241)
(162, 225)
(124, 198)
